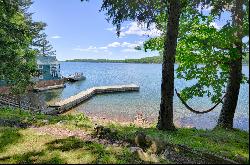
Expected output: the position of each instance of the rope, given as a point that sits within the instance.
(195, 111)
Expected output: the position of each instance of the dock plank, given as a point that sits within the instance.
(72, 101)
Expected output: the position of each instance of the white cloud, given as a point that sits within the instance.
(114, 44)
(135, 29)
(110, 29)
(89, 49)
(114, 29)
(129, 50)
(127, 47)
(94, 49)
(215, 25)
(124, 44)
(103, 48)
(131, 45)
(56, 37)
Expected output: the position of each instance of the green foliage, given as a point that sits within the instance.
(26, 145)
(154, 59)
(156, 43)
(82, 121)
(17, 58)
(203, 53)
(43, 46)
(8, 137)
(201, 60)
(211, 141)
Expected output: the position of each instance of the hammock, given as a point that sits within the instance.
(195, 111)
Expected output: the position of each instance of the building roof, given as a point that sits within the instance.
(46, 60)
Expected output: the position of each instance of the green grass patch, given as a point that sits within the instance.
(27, 146)
(21, 144)
(233, 144)
(12, 117)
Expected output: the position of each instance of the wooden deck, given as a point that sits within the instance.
(49, 87)
(73, 101)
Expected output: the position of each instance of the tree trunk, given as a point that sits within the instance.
(235, 75)
(165, 119)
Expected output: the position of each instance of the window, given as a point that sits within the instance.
(40, 67)
(41, 77)
(53, 70)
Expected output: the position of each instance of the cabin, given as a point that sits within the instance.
(49, 77)
(49, 68)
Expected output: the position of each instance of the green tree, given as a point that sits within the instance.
(43, 46)
(211, 56)
(235, 64)
(149, 12)
(17, 57)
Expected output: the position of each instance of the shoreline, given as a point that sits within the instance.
(138, 120)
(243, 64)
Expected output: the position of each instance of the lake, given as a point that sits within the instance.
(147, 100)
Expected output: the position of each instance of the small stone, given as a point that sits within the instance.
(115, 144)
(140, 140)
(45, 121)
(135, 149)
(60, 122)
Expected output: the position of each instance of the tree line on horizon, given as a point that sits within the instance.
(144, 60)
(154, 59)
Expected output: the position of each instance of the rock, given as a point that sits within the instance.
(152, 158)
(157, 146)
(99, 130)
(60, 123)
(115, 144)
(135, 149)
(45, 121)
(140, 140)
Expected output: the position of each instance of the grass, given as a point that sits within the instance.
(233, 144)
(32, 147)
(21, 144)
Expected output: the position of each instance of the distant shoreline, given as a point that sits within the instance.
(144, 60)
(154, 60)
(132, 61)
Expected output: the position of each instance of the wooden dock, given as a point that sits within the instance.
(69, 103)
(49, 87)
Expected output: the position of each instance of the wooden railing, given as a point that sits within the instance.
(10, 101)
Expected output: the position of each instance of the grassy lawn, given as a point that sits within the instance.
(20, 143)
(232, 144)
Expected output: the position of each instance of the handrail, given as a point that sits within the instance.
(17, 104)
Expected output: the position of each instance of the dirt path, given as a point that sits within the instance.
(63, 132)
(182, 155)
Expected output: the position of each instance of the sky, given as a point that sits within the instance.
(77, 30)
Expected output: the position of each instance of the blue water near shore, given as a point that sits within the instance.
(147, 100)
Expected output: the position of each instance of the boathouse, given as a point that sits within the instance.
(49, 68)
(49, 74)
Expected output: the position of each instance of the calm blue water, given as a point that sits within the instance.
(148, 77)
